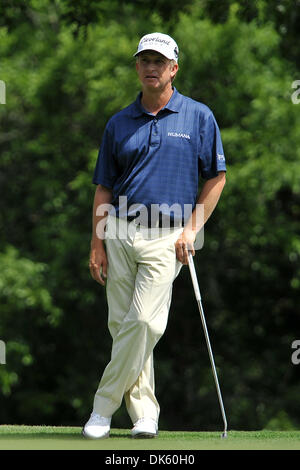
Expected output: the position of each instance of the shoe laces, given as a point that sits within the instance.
(141, 420)
(100, 420)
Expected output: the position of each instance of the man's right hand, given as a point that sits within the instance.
(98, 263)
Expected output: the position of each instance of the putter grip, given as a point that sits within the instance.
(194, 276)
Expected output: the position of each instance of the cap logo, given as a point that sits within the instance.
(155, 39)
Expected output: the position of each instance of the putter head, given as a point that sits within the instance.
(224, 435)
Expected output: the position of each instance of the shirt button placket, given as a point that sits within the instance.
(155, 137)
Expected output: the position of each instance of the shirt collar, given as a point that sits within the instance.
(173, 104)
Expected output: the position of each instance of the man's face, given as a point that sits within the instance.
(155, 71)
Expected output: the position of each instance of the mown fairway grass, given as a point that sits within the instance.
(70, 438)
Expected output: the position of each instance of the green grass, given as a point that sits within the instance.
(69, 438)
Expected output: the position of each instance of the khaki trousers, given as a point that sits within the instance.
(142, 266)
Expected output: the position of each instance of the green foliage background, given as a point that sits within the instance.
(68, 67)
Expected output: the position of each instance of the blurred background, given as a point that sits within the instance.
(67, 67)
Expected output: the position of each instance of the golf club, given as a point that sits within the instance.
(198, 298)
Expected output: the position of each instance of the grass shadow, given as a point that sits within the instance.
(58, 435)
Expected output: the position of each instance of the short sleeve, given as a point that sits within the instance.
(212, 159)
(106, 168)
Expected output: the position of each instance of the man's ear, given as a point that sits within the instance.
(174, 70)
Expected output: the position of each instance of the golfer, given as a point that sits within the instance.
(152, 156)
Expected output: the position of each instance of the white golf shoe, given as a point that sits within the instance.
(97, 427)
(144, 427)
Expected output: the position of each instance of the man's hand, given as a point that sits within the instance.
(184, 244)
(98, 264)
(98, 258)
(206, 203)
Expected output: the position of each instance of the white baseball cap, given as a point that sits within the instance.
(161, 43)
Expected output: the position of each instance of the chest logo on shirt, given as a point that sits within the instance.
(179, 134)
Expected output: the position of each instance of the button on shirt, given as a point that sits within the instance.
(157, 159)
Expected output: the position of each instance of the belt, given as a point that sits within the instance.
(160, 223)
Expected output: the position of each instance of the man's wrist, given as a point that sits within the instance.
(191, 229)
(97, 242)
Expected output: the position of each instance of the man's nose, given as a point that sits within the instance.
(151, 65)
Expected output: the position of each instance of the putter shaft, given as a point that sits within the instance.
(211, 357)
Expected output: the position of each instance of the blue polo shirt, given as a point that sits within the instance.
(157, 160)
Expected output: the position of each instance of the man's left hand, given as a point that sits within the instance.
(184, 244)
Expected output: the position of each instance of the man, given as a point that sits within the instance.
(151, 155)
